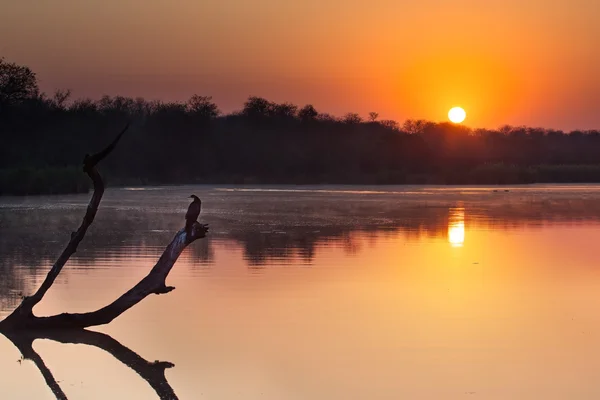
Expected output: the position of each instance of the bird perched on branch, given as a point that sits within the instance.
(192, 214)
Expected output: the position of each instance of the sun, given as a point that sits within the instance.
(457, 115)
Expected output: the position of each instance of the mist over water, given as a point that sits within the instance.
(321, 292)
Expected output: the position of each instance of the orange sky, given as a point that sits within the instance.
(529, 62)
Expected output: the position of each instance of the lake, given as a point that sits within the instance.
(324, 292)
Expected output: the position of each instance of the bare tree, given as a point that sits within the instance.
(59, 99)
(203, 106)
(389, 123)
(352, 118)
(23, 319)
(373, 116)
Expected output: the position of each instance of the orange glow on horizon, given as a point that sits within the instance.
(505, 61)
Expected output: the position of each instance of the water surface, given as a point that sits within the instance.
(323, 292)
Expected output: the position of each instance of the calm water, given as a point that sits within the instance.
(320, 293)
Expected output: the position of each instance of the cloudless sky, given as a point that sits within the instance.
(534, 62)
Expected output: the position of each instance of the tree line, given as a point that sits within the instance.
(44, 138)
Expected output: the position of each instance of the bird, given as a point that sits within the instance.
(192, 213)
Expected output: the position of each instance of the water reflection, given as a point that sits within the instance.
(322, 295)
(456, 227)
(269, 226)
(151, 372)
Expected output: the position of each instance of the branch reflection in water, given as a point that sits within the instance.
(151, 372)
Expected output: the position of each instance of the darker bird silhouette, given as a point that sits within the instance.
(192, 213)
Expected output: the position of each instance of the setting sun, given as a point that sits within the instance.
(457, 115)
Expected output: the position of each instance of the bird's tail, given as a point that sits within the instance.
(188, 227)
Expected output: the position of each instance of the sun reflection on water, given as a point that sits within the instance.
(456, 227)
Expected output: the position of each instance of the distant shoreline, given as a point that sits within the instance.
(265, 142)
(70, 180)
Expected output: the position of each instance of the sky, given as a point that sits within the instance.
(511, 62)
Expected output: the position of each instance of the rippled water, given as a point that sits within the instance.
(333, 292)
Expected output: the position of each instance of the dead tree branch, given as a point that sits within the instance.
(22, 318)
(25, 309)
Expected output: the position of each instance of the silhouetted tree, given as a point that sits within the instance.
(203, 106)
(308, 113)
(257, 107)
(284, 110)
(269, 142)
(415, 127)
(352, 118)
(373, 116)
(17, 83)
(59, 100)
(390, 123)
(326, 117)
